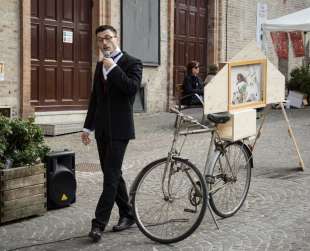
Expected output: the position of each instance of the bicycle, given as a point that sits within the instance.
(170, 195)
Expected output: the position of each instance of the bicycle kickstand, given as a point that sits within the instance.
(212, 214)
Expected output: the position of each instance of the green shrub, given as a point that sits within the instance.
(21, 142)
(300, 79)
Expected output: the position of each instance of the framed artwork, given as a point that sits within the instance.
(247, 84)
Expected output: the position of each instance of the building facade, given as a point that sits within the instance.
(241, 22)
(48, 48)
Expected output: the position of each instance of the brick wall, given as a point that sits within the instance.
(241, 28)
(10, 54)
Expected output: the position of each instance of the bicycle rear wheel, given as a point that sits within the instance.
(173, 215)
(230, 185)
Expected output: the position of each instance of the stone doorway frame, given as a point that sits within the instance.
(213, 44)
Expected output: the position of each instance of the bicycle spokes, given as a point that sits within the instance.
(169, 203)
(232, 173)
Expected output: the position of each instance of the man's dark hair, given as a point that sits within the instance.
(212, 69)
(106, 27)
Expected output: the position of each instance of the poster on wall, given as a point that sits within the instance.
(261, 17)
(67, 36)
(1, 71)
(298, 43)
(280, 43)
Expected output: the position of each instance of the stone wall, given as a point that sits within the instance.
(10, 54)
(241, 28)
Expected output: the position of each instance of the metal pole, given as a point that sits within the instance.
(226, 38)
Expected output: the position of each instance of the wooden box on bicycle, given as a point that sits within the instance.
(241, 125)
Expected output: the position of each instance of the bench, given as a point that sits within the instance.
(180, 97)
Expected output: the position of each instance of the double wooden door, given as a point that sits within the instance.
(190, 37)
(60, 54)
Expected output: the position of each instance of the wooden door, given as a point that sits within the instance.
(190, 37)
(60, 54)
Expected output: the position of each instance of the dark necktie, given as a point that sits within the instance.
(115, 56)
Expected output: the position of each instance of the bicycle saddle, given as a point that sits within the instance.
(219, 118)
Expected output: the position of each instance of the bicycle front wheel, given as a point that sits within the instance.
(169, 199)
(230, 182)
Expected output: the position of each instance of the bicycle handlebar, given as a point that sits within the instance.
(188, 118)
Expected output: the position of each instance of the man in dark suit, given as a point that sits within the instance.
(117, 79)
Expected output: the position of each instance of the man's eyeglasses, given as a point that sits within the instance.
(107, 38)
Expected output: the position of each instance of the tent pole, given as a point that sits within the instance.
(291, 134)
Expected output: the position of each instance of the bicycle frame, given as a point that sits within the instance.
(216, 144)
(174, 152)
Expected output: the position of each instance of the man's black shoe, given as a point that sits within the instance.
(123, 224)
(95, 234)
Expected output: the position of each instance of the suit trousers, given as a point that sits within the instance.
(111, 157)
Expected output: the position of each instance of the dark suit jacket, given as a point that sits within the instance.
(110, 110)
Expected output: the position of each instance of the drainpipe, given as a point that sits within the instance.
(226, 30)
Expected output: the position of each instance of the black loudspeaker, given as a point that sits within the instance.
(61, 182)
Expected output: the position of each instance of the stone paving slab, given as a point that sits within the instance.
(276, 215)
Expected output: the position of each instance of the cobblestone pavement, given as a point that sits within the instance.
(276, 215)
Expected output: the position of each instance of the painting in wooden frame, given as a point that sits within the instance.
(247, 84)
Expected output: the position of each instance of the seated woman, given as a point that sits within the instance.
(192, 85)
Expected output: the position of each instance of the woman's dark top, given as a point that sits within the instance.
(191, 85)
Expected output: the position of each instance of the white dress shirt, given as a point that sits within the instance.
(119, 54)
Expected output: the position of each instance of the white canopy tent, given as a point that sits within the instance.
(297, 21)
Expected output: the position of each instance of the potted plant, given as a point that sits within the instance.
(22, 174)
(300, 80)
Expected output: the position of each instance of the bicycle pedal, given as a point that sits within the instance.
(189, 210)
(210, 179)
